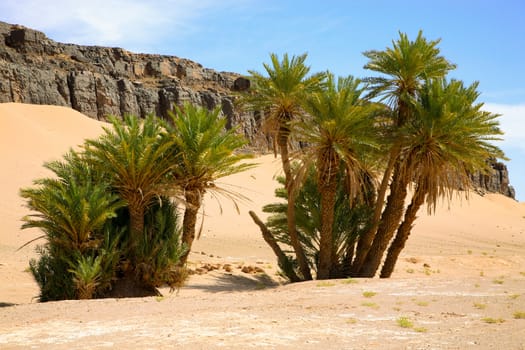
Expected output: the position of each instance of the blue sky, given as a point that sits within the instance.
(485, 38)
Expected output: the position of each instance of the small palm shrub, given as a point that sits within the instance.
(87, 272)
(71, 209)
(51, 274)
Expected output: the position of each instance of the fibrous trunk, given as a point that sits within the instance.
(328, 191)
(272, 242)
(388, 224)
(282, 138)
(365, 241)
(136, 223)
(193, 202)
(402, 234)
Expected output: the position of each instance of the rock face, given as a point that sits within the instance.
(497, 181)
(102, 81)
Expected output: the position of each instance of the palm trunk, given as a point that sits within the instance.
(282, 139)
(346, 268)
(193, 203)
(328, 192)
(402, 233)
(136, 227)
(270, 239)
(365, 241)
(388, 225)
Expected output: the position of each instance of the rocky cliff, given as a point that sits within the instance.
(102, 81)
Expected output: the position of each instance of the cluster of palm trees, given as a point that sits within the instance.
(409, 132)
(109, 214)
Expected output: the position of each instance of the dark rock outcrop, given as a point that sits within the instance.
(102, 81)
(496, 181)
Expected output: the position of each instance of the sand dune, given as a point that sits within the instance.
(453, 260)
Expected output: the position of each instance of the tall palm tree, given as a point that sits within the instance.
(280, 95)
(340, 132)
(405, 66)
(137, 157)
(448, 140)
(207, 152)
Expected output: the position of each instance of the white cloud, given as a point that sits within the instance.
(125, 23)
(512, 122)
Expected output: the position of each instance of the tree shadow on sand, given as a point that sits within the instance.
(3, 304)
(234, 283)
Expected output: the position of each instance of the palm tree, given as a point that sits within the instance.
(280, 96)
(405, 66)
(351, 217)
(137, 157)
(447, 141)
(207, 152)
(341, 131)
(71, 209)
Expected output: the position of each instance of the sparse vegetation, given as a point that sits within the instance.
(370, 305)
(368, 294)
(519, 315)
(349, 280)
(492, 320)
(404, 322)
(480, 306)
(498, 281)
(325, 284)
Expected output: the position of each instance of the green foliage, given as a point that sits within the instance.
(51, 274)
(161, 249)
(207, 150)
(282, 92)
(87, 272)
(136, 157)
(72, 210)
(404, 68)
(450, 138)
(350, 220)
(404, 322)
(519, 315)
(88, 212)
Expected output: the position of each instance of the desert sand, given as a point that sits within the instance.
(460, 280)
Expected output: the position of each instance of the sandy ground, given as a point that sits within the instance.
(460, 281)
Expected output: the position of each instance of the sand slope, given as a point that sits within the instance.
(29, 136)
(459, 267)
